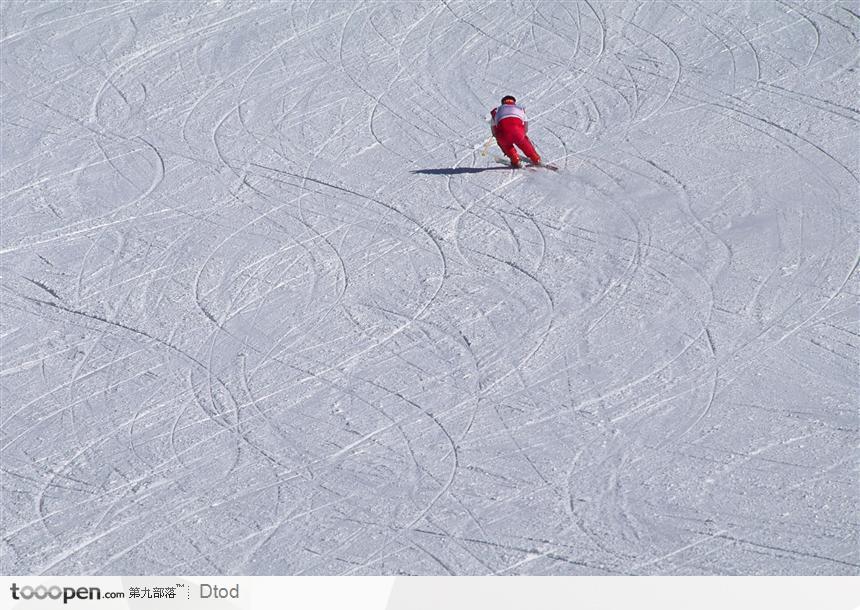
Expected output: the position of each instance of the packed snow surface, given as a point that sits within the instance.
(272, 306)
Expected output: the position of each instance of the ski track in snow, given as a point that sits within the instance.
(260, 318)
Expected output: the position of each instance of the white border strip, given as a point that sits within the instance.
(432, 593)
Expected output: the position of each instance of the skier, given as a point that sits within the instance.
(510, 128)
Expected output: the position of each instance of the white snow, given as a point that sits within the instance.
(270, 307)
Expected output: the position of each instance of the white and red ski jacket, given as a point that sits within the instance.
(508, 111)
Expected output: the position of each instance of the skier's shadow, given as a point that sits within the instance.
(450, 171)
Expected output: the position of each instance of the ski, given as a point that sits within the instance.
(527, 164)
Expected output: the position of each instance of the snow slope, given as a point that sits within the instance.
(270, 307)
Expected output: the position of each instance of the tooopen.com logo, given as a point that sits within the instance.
(66, 594)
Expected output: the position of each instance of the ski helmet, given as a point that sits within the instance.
(509, 99)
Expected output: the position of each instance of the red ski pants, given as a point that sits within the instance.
(510, 133)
